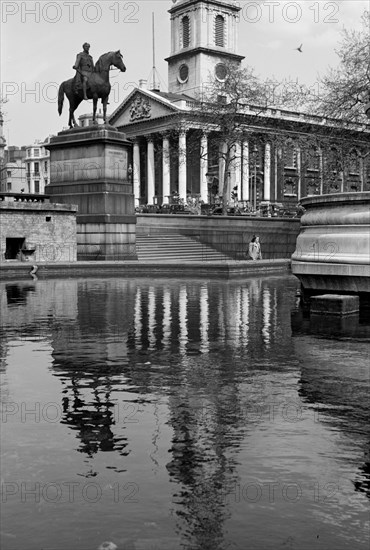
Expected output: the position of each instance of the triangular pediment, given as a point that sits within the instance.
(140, 106)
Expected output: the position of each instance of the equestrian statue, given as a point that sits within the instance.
(90, 82)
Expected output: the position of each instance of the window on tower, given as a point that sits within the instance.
(220, 31)
(221, 72)
(185, 32)
(183, 73)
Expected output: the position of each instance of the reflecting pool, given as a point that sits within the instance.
(168, 414)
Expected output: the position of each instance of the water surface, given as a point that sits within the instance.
(172, 414)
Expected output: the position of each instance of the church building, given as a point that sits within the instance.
(175, 153)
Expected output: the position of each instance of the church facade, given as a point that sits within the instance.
(274, 160)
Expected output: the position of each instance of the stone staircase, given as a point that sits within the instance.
(165, 247)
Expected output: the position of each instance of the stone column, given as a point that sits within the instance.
(280, 173)
(32, 184)
(321, 171)
(182, 164)
(299, 172)
(341, 179)
(267, 173)
(276, 173)
(204, 167)
(150, 168)
(362, 173)
(166, 168)
(237, 168)
(245, 181)
(136, 172)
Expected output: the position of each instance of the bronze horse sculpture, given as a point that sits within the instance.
(98, 86)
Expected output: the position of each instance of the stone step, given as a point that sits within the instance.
(174, 247)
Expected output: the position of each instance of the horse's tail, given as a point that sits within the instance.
(60, 98)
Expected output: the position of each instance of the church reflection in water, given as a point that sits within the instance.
(194, 343)
(196, 355)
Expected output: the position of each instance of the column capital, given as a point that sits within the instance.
(149, 137)
(165, 134)
(183, 128)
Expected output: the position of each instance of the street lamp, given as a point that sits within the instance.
(129, 173)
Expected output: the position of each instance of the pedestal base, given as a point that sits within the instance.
(89, 168)
(334, 304)
(106, 241)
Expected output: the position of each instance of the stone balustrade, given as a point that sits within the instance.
(24, 197)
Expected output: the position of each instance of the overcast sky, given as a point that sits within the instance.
(40, 40)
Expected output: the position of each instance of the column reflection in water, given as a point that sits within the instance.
(151, 318)
(137, 318)
(183, 320)
(220, 315)
(204, 319)
(245, 316)
(166, 323)
(194, 362)
(266, 306)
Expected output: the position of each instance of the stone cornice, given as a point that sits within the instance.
(209, 51)
(255, 123)
(183, 6)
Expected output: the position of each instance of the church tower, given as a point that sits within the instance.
(204, 37)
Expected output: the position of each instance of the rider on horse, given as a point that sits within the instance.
(84, 66)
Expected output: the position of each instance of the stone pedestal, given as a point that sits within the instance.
(89, 168)
(333, 247)
(334, 304)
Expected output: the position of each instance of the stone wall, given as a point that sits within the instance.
(228, 234)
(49, 230)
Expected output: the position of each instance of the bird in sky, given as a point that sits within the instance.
(299, 48)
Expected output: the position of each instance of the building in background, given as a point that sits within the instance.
(13, 173)
(37, 163)
(25, 169)
(2, 142)
(175, 153)
(87, 119)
